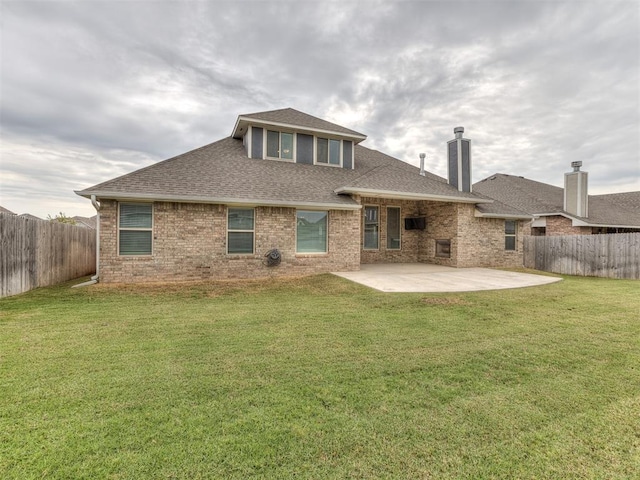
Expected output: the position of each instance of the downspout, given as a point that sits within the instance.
(96, 205)
(96, 277)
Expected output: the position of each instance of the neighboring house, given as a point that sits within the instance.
(289, 181)
(565, 211)
(85, 222)
(29, 216)
(5, 210)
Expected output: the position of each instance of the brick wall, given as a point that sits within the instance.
(189, 243)
(475, 242)
(481, 241)
(410, 240)
(442, 224)
(559, 225)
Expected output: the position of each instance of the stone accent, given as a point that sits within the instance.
(189, 243)
(559, 225)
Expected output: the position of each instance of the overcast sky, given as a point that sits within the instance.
(94, 89)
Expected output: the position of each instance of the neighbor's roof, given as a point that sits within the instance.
(222, 173)
(537, 198)
(289, 117)
(87, 222)
(6, 210)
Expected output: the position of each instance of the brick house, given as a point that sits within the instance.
(565, 211)
(291, 194)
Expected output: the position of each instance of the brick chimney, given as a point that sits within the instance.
(459, 161)
(576, 196)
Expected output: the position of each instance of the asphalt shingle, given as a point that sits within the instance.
(537, 198)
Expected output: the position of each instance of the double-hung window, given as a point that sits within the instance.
(328, 151)
(393, 228)
(371, 228)
(279, 145)
(135, 228)
(311, 231)
(240, 230)
(510, 231)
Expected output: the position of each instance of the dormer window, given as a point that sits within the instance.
(279, 145)
(328, 151)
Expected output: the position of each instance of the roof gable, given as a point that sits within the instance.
(294, 119)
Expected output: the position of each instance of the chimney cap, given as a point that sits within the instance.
(458, 130)
(422, 155)
(576, 165)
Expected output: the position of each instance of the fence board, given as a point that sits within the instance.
(37, 253)
(614, 256)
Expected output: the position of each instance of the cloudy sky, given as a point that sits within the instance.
(94, 89)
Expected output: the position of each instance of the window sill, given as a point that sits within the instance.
(328, 165)
(276, 159)
(312, 255)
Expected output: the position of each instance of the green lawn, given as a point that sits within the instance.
(321, 378)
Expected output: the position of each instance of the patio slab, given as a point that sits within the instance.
(421, 277)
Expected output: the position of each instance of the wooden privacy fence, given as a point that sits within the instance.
(614, 255)
(37, 253)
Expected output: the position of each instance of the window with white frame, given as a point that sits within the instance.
(311, 231)
(328, 151)
(240, 230)
(135, 228)
(510, 231)
(393, 228)
(279, 145)
(371, 228)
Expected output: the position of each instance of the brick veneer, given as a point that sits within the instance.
(189, 243)
(559, 225)
(475, 242)
(481, 241)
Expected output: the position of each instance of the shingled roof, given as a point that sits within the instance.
(540, 199)
(294, 118)
(221, 172)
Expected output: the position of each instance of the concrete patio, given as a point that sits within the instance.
(422, 277)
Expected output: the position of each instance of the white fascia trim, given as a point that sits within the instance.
(582, 223)
(503, 215)
(576, 222)
(218, 200)
(298, 128)
(369, 192)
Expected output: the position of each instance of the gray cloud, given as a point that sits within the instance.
(92, 90)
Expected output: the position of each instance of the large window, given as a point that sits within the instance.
(240, 230)
(328, 151)
(510, 231)
(135, 229)
(371, 228)
(393, 228)
(311, 233)
(279, 145)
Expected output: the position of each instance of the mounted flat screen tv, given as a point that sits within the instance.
(415, 223)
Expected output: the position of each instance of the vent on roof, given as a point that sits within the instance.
(422, 172)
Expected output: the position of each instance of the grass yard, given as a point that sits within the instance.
(320, 378)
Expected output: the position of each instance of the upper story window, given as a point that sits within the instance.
(279, 145)
(328, 151)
